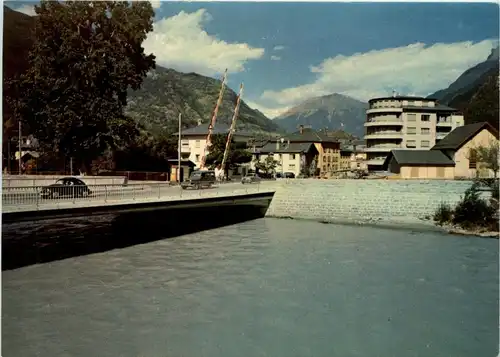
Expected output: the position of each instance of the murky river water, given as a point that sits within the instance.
(269, 287)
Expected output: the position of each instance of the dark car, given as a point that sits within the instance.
(289, 175)
(66, 187)
(199, 179)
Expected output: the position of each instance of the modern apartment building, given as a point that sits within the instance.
(401, 122)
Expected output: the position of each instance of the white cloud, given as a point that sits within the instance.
(278, 48)
(155, 3)
(414, 69)
(275, 58)
(270, 112)
(180, 42)
(26, 9)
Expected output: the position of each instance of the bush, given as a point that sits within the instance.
(443, 215)
(471, 212)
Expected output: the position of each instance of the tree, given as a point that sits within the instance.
(86, 55)
(487, 156)
(268, 166)
(237, 154)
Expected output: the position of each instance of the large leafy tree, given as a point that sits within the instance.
(237, 154)
(85, 57)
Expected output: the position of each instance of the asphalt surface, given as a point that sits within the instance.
(129, 193)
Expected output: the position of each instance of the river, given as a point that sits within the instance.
(268, 287)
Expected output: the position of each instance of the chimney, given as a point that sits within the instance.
(288, 143)
(301, 129)
(277, 145)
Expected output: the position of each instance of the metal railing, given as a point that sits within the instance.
(45, 197)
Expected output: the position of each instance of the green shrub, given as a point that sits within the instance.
(443, 215)
(472, 211)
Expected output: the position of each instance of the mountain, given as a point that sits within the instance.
(475, 92)
(164, 94)
(468, 82)
(334, 112)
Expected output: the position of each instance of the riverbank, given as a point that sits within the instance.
(372, 202)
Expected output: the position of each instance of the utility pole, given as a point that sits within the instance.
(20, 164)
(179, 150)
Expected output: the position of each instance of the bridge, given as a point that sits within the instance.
(27, 203)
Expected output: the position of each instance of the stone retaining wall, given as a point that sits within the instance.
(391, 202)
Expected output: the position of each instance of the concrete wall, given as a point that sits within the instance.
(43, 180)
(427, 172)
(364, 201)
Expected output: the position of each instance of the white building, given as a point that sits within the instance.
(193, 140)
(400, 122)
(290, 157)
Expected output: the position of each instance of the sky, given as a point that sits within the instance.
(286, 53)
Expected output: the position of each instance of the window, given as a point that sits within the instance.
(412, 117)
(425, 143)
(411, 144)
(291, 167)
(197, 158)
(411, 130)
(185, 143)
(197, 143)
(425, 131)
(324, 158)
(324, 168)
(425, 117)
(292, 156)
(329, 158)
(472, 160)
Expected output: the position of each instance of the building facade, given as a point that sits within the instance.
(451, 158)
(289, 157)
(328, 160)
(193, 140)
(409, 123)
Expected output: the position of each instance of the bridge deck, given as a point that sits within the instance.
(29, 200)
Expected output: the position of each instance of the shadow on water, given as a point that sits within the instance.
(30, 243)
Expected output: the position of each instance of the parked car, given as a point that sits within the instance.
(250, 178)
(199, 179)
(289, 175)
(66, 187)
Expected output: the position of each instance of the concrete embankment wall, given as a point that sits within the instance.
(43, 180)
(390, 202)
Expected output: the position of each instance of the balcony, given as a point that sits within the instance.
(375, 162)
(384, 110)
(444, 122)
(384, 134)
(382, 148)
(386, 122)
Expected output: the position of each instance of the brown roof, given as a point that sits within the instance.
(461, 135)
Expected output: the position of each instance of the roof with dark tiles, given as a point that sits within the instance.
(419, 158)
(461, 135)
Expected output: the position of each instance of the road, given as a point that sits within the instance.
(141, 192)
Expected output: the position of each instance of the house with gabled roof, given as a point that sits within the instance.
(328, 148)
(457, 146)
(290, 156)
(450, 158)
